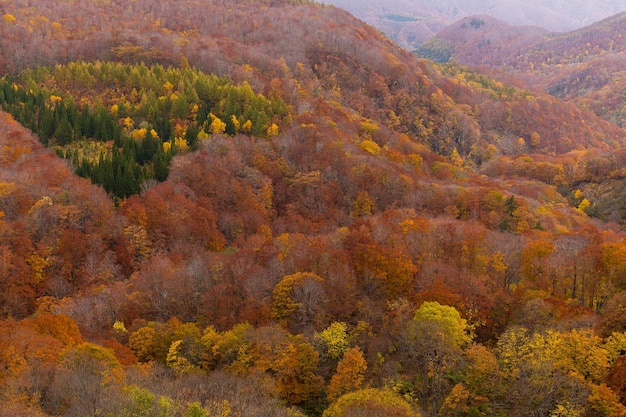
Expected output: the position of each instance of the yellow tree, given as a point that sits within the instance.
(272, 130)
(448, 319)
(296, 378)
(614, 263)
(335, 338)
(217, 126)
(298, 300)
(434, 341)
(87, 371)
(141, 342)
(8, 18)
(363, 205)
(177, 361)
(370, 402)
(604, 400)
(553, 372)
(479, 387)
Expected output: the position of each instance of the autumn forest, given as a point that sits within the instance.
(266, 208)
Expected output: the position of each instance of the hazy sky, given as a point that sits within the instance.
(556, 15)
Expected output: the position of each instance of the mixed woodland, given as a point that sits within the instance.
(584, 67)
(266, 208)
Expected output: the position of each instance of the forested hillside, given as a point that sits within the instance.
(412, 22)
(584, 67)
(281, 213)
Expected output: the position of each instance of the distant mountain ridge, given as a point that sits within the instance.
(480, 40)
(411, 22)
(586, 66)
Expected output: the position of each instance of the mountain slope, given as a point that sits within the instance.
(366, 72)
(579, 66)
(480, 40)
(411, 22)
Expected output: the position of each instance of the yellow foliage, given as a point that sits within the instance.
(370, 146)
(416, 160)
(134, 95)
(140, 244)
(202, 135)
(38, 265)
(413, 225)
(567, 410)
(577, 352)
(141, 343)
(578, 194)
(8, 18)
(335, 337)
(183, 62)
(217, 126)
(42, 202)
(284, 244)
(369, 127)
(167, 146)
(177, 361)
(604, 400)
(450, 322)
(76, 357)
(55, 99)
(6, 188)
(247, 126)
(497, 262)
(584, 205)
(139, 134)
(372, 401)
(218, 409)
(282, 303)
(180, 41)
(455, 403)
(129, 123)
(228, 347)
(394, 119)
(272, 130)
(363, 205)
(119, 326)
(114, 109)
(615, 344)
(236, 123)
(455, 158)
(181, 144)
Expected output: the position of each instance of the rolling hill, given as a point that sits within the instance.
(581, 67)
(411, 22)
